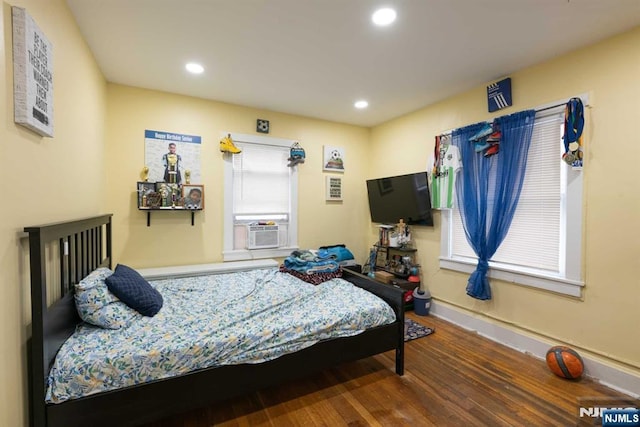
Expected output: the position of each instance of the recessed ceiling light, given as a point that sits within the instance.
(194, 68)
(361, 104)
(384, 16)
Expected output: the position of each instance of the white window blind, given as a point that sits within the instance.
(261, 182)
(533, 239)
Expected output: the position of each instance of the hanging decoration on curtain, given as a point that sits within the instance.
(573, 126)
(487, 139)
(445, 165)
(489, 186)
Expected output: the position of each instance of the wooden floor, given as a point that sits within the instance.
(452, 378)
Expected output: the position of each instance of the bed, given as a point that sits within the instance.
(62, 254)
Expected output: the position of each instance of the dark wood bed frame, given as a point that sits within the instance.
(76, 248)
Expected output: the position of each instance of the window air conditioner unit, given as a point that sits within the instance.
(263, 236)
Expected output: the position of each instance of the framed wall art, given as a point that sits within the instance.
(193, 196)
(499, 95)
(334, 188)
(333, 159)
(32, 74)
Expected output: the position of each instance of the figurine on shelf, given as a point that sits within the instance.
(145, 174)
(187, 176)
(402, 229)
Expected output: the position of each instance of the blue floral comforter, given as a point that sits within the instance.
(245, 317)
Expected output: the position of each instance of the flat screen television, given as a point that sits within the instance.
(398, 197)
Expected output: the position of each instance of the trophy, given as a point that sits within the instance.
(145, 173)
(187, 176)
(172, 167)
(164, 194)
(174, 191)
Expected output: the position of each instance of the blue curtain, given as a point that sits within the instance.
(488, 190)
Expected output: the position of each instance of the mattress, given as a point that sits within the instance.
(215, 320)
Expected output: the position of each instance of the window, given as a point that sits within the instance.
(543, 247)
(259, 187)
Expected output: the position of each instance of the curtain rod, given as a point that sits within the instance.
(449, 133)
(539, 110)
(550, 107)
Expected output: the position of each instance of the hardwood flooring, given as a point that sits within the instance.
(453, 377)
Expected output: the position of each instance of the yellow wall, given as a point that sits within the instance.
(171, 240)
(45, 179)
(604, 323)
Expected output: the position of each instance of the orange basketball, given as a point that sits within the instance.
(565, 362)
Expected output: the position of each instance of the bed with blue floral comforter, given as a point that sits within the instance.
(245, 317)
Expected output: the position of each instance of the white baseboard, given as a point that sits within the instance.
(204, 269)
(607, 375)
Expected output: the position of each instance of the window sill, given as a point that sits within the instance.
(245, 254)
(534, 279)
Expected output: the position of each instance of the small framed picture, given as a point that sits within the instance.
(334, 188)
(333, 159)
(193, 196)
(381, 257)
(144, 190)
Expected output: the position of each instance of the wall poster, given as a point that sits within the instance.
(172, 157)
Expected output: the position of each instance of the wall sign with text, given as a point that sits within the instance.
(32, 74)
(334, 188)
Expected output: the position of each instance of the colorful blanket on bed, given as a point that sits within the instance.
(246, 317)
(308, 262)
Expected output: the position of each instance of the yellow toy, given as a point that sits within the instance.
(227, 145)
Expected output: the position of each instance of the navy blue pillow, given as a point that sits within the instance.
(132, 289)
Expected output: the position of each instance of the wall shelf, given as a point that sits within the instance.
(169, 209)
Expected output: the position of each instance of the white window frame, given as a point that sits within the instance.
(569, 280)
(228, 252)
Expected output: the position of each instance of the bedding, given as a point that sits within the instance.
(310, 262)
(239, 318)
(315, 278)
(99, 307)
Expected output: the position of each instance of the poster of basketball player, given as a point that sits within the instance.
(333, 159)
(173, 158)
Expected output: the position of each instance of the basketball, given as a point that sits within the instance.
(565, 362)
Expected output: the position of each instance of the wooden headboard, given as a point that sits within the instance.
(60, 255)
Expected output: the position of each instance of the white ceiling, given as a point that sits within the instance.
(315, 58)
